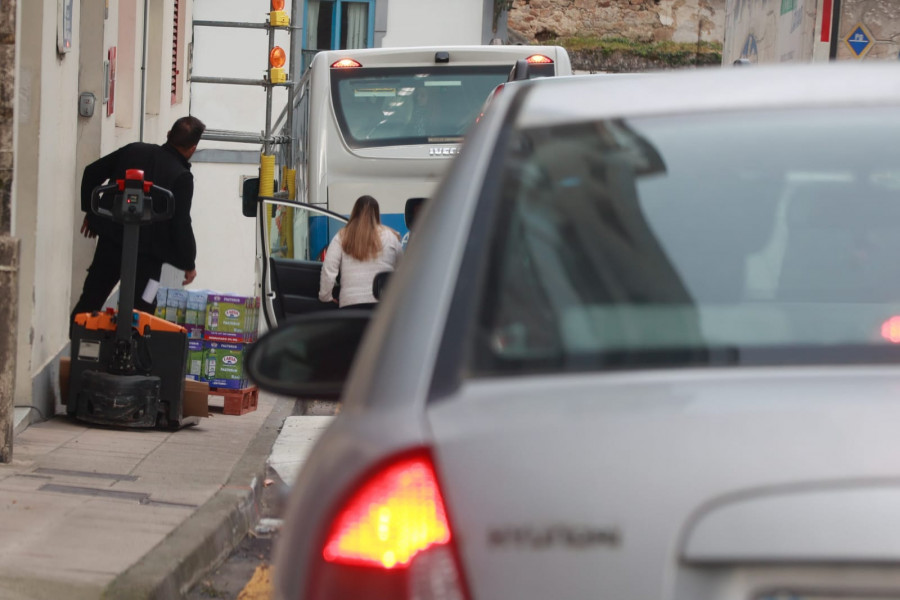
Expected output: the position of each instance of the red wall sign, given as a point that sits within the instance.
(111, 103)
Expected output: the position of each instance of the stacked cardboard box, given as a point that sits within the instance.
(162, 294)
(195, 314)
(220, 329)
(231, 325)
(176, 306)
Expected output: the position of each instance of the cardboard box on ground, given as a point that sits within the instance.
(220, 329)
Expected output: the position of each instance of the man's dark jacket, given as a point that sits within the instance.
(167, 241)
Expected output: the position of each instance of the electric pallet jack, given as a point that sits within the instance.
(128, 367)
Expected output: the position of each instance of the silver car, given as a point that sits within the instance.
(644, 344)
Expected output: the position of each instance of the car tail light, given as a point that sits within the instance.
(345, 63)
(391, 539)
(539, 59)
(490, 99)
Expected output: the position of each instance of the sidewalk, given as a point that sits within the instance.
(90, 512)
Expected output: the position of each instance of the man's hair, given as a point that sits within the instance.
(186, 132)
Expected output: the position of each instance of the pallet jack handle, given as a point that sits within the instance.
(132, 207)
(135, 209)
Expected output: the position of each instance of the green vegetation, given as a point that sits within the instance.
(668, 53)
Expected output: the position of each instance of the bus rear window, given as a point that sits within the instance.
(404, 106)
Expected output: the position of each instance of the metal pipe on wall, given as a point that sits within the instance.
(146, 31)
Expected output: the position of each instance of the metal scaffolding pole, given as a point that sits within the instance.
(267, 139)
(296, 57)
(228, 80)
(219, 135)
(231, 24)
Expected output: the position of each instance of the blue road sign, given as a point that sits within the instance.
(858, 40)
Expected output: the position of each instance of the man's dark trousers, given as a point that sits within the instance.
(104, 274)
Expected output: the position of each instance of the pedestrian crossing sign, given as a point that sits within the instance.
(859, 40)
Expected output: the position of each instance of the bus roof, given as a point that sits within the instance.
(458, 55)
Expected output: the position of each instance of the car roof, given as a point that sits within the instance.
(577, 98)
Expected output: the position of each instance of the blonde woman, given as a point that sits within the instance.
(360, 251)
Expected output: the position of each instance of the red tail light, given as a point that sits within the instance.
(391, 519)
(490, 99)
(392, 539)
(539, 59)
(345, 63)
(890, 330)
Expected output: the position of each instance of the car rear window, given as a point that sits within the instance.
(725, 238)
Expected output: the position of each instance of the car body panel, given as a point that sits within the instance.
(651, 455)
(544, 460)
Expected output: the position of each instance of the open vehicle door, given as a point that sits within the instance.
(293, 239)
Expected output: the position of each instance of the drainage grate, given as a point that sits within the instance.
(87, 491)
(139, 497)
(94, 474)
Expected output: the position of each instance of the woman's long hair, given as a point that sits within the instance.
(361, 238)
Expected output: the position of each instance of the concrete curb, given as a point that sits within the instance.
(208, 536)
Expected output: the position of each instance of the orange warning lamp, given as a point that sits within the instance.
(277, 58)
(277, 16)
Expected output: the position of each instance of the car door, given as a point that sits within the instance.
(295, 237)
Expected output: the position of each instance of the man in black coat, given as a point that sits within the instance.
(164, 242)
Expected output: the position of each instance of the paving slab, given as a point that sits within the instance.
(92, 512)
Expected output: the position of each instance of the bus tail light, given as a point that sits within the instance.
(391, 539)
(345, 63)
(539, 59)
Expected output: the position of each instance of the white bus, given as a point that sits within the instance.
(384, 122)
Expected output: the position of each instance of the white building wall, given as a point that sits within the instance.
(55, 172)
(226, 240)
(45, 172)
(434, 23)
(53, 143)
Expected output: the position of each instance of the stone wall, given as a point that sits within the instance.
(643, 20)
(7, 97)
(595, 60)
(9, 247)
(881, 19)
(771, 31)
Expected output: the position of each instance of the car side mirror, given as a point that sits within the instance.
(308, 357)
(250, 196)
(379, 282)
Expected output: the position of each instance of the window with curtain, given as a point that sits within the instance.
(354, 25)
(312, 17)
(338, 24)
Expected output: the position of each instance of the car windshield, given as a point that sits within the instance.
(733, 238)
(402, 106)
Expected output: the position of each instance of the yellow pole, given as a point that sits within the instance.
(267, 188)
(289, 178)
